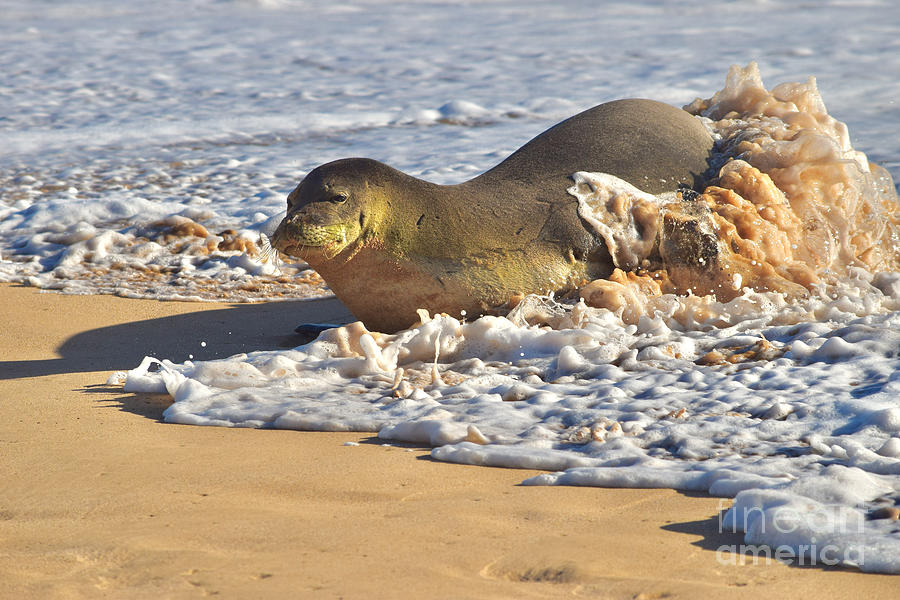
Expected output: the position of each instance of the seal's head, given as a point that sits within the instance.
(333, 210)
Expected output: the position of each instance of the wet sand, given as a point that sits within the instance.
(101, 499)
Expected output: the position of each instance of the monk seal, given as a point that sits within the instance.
(388, 243)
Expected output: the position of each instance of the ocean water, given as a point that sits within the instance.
(146, 146)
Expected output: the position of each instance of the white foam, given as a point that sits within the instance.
(607, 404)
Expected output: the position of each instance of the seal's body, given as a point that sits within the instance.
(388, 243)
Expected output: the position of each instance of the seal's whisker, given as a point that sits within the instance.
(267, 252)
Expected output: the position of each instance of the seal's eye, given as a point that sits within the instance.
(339, 198)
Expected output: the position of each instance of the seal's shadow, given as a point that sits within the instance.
(202, 335)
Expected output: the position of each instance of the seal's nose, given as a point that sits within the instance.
(308, 217)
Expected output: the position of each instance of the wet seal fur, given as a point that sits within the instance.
(388, 243)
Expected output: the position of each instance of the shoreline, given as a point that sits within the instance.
(103, 499)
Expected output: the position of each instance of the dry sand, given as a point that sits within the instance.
(99, 499)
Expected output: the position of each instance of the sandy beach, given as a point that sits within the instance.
(101, 499)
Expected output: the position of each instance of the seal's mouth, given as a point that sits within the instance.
(318, 236)
(298, 239)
